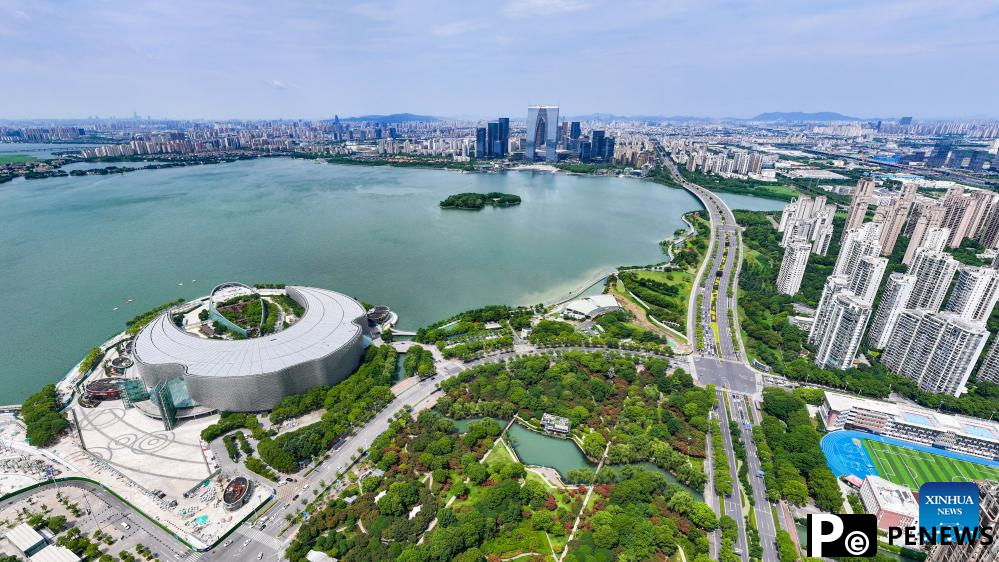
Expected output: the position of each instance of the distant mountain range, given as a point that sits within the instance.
(803, 116)
(391, 118)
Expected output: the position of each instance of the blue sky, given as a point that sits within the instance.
(257, 59)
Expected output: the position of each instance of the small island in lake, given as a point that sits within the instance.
(476, 201)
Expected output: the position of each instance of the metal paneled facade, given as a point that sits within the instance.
(324, 347)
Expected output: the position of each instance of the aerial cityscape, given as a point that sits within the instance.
(390, 281)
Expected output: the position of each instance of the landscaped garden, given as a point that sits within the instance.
(663, 295)
(446, 495)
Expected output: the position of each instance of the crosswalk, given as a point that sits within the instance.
(259, 536)
(192, 556)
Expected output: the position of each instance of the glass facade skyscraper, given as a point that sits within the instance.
(480, 142)
(542, 131)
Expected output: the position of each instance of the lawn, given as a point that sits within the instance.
(16, 158)
(912, 468)
(498, 453)
(672, 277)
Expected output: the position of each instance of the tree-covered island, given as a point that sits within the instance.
(476, 201)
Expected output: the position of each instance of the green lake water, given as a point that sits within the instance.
(74, 250)
(563, 455)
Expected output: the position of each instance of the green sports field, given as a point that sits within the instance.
(912, 468)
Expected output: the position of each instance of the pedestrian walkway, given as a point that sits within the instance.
(259, 536)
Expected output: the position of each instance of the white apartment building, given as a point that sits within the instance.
(933, 271)
(975, 294)
(896, 294)
(936, 350)
(810, 219)
(792, 267)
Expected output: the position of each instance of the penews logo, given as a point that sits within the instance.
(841, 535)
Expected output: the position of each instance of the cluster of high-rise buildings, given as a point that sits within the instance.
(807, 225)
(726, 162)
(929, 325)
(493, 140)
(545, 135)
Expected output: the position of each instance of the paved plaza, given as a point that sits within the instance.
(142, 450)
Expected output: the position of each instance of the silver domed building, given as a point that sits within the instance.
(323, 347)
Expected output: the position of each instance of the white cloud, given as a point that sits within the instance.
(277, 84)
(458, 27)
(525, 8)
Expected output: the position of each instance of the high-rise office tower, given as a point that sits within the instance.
(574, 130)
(838, 337)
(597, 144)
(492, 140)
(893, 217)
(585, 150)
(936, 350)
(504, 136)
(933, 272)
(609, 149)
(480, 142)
(928, 227)
(859, 201)
(893, 300)
(975, 294)
(542, 131)
(792, 267)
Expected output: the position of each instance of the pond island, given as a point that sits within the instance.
(476, 201)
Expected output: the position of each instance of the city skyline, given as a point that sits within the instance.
(245, 61)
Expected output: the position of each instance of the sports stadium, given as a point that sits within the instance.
(322, 346)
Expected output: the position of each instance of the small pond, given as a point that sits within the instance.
(563, 455)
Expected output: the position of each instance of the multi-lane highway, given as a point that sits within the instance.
(721, 359)
(733, 502)
(746, 414)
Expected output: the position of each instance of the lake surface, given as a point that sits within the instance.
(38, 149)
(74, 249)
(563, 455)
